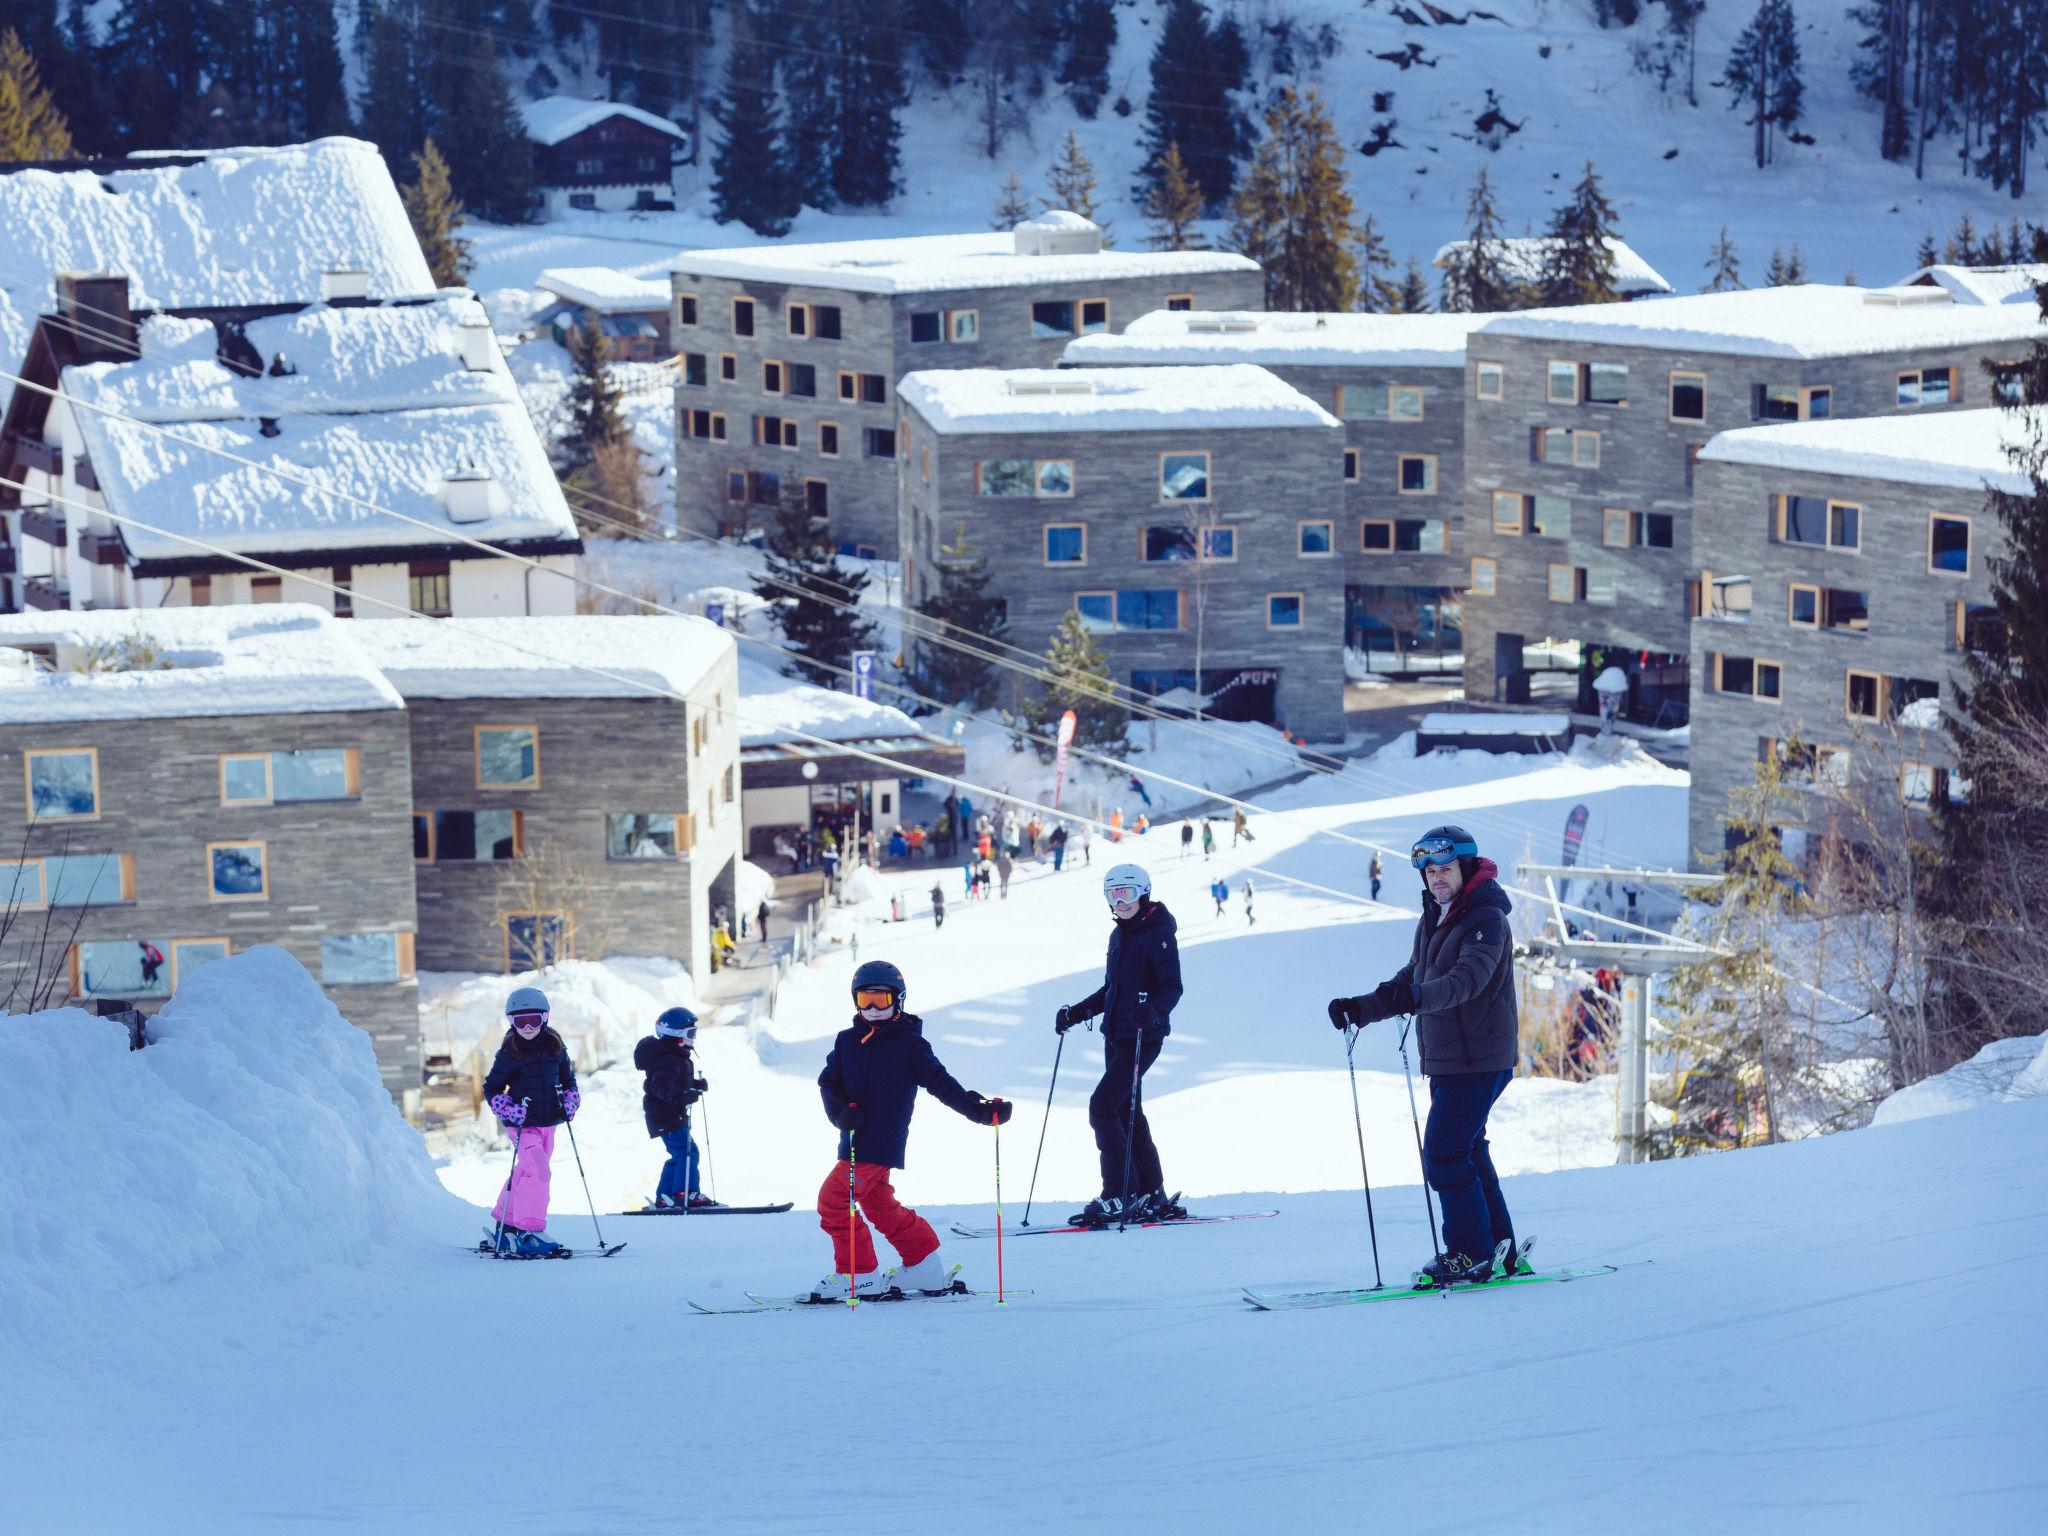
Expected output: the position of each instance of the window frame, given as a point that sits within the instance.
(1607, 517)
(1403, 459)
(1208, 475)
(1046, 531)
(1081, 325)
(1421, 402)
(1919, 378)
(790, 311)
(1354, 465)
(1492, 586)
(1756, 663)
(1300, 609)
(1108, 595)
(833, 428)
(1499, 372)
(1301, 525)
(178, 946)
(775, 370)
(1671, 396)
(1783, 508)
(269, 795)
(685, 311)
(1969, 541)
(28, 781)
(477, 754)
(1586, 386)
(1878, 691)
(1365, 546)
(1202, 542)
(1520, 524)
(1550, 377)
(1792, 591)
(675, 832)
(213, 894)
(728, 367)
(1937, 783)
(1550, 570)
(1179, 303)
(950, 326)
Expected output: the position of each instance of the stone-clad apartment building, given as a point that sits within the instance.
(1582, 427)
(1852, 566)
(1189, 515)
(1397, 384)
(790, 354)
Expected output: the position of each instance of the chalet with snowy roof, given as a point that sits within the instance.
(789, 354)
(377, 447)
(1397, 384)
(1583, 425)
(1188, 515)
(632, 312)
(1522, 260)
(593, 155)
(1849, 583)
(195, 782)
(575, 785)
(1982, 285)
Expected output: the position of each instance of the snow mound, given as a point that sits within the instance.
(2003, 1071)
(861, 884)
(252, 1132)
(599, 1007)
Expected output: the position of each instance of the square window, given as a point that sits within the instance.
(1948, 544)
(63, 783)
(1097, 611)
(1219, 543)
(245, 779)
(1550, 517)
(1157, 545)
(1376, 536)
(1283, 610)
(927, 328)
(1418, 474)
(1052, 320)
(1509, 512)
(1688, 397)
(1586, 450)
(507, 757)
(1055, 477)
(879, 442)
(128, 968)
(266, 589)
(1094, 315)
(874, 389)
(640, 835)
(1655, 530)
(1776, 402)
(1490, 381)
(1865, 696)
(1404, 402)
(535, 940)
(238, 871)
(963, 325)
(1414, 535)
(1554, 445)
(21, 886)
(1607, 383)
(1562, 387)
(825, 322)
(1148, 609)
(1351, 464)
(1066, 544)
(1485, 573)
(1315, 539)
(1803, 520)
(1184, 477)
(1819, 403)
(358, 959)
(188, 955)
(802, 380)
(1006, 477)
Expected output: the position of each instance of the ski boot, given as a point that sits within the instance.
(536, 1245)
(1158, 1205)
(504, 1243)
(837, 1287)
(1516, 1262)
(1449, 1269)
(1102, 1211)
(659, 1203)
(698, 1202)
(929, 1276)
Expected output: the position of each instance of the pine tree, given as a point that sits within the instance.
(1795, 264)
(1475, 276)
(1724, 267)
(394, 115)
(1080, 681)
(436, 215)
(1927, 255)
(315, 103)
(1173, 203)
(1962, 243)
(869, 153)
(1012, 206)
(1193, 72)
(1089, 28)
(1294, 214)
(483, 138)
(1412, 297)
(31, 127)
(806, 583)
(962, 610)
(1578, 263)
(751, 182)
(1763, 74)
(1070, 181)
(1377, 293)
(595, 419)
(1881, 74)
(1682, 22)
(2015, 68)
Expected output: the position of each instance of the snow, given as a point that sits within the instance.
(935, 263)
(599, 1008)
(1922, 715)
(1962, 450)
(1808, 320)
(552, 119)
(1522, 260)
(605, 290)
(287, 658)
(532, 658)
(1441, 724)
(243, 226)
(1276, 339)
(2000, 1073)
(779, 709)
(1197, 399)
(1982, 285)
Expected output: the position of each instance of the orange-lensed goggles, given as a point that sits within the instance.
(874, 997)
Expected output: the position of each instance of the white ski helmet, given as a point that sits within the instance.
(526, 1000)
(1126, 877)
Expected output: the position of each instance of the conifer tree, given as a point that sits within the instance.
(483, 138)
(2014, 65)
(1089, 34)
(1294, 214)
(869, 154)
(1173, 203)
(1475, 275)
(1682, 21)
(963, 610)
(1926, 255)
(805, 582)
(1080, 681)
(1763, 75)
(436, 215)
(1012, 206)
(1377, 292)
(595, 419)
(1193, 72)
(1795, 264)
(1412, 297)
(1578, 264)
(1070, 183)
(31, 127)
(1962, 244)
(314, 100)
(1724, 267)
(394, 115)
(751, 182)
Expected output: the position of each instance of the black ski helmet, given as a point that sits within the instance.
(880, 973)
(1463, 841)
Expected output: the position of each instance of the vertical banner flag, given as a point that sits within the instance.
(1059, 770)
(1574, 834)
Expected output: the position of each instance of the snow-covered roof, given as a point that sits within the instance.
(606, 289)
(380, 407)
(555, 118)
(1522, 258)
(1811, 320)
(245, 226)
(1197, 399)
(290, 658)
(1981, 285)
(1962, 450)
(775, 708)
(932, 263)
(1442, 723)
(542, 658)
(1277, 339)
(1060, 219)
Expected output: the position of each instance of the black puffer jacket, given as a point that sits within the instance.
(1462, 973)
(880, 1067)
(1141, 984)
(538, 1072)
(672, 1082)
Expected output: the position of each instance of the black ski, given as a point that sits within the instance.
(1178, 1221)
(713, 1210)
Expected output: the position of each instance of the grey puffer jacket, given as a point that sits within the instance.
(1462, 976)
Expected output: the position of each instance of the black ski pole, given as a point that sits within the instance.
(1033, 1191)
(1358, 1120)
(571, 1124)
(710, 1172)
(1416, 1120)
(1131, 1126)
(505, 1200)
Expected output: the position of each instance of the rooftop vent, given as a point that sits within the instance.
(477, 344)
(1052, 386)
(470, 495)
(1907, 298)
(344, 284)
(268, 426)
(1058, 233)
(1224, 325)
(280, 368)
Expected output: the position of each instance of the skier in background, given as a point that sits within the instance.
(1058, 844)
(668, 1059)
(1249, 920)
(531, 1088)
(1208, 839)
(1140, 986)
(1219, 893)
(1187, 837)
(1238, 829)
(938, 906)
(1377, 871)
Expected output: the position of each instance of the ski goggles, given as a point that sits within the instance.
(1438, 850)
(529, 1020)
(874, 997)
(1119, 894)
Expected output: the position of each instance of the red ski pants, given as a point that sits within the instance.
(853, 1249)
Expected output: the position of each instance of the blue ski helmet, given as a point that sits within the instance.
(676, 1024)
(527, 1000)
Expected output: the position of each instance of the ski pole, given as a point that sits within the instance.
(1131, 1126)
(505, 1200)
(998, 1124)
(1032, 1193)
(571, 1124)
(1415, 1119)
(852, 1215)
(710, 1168)
(1358, 1120)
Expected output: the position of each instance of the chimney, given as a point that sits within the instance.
(94, 308)
(477, 344)
(267, 425)
(1057, 232)
(345, 285)
(469, 495)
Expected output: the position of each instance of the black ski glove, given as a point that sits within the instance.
(997, 1111)
(848, 1118)
(1064, 1020)
(1384, 1001)
(1344, 1012)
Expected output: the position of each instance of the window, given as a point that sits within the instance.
(828, 439)
(266, 589)
(1508, 513)
(1620, 529)
(1146, 609)
(534, 940)
(1563, 385)
(1565, 445)
(1362, 402)
(736, 485)
(865, 388)
(927, 328)
(364, 959)
(72, 880)
(1948, 543)
(1404, 402)
(879, 442)
(1688, 397)
(1416, 474)
(764, 489)
(1184, 477)
(1094, 315)
(1811, 607)
(188, 955)
(1351, 464)
(1283, 610)
(709, 425)
(817, 497)
(1156, 545)
(797, 319)
(743, 317)
(1923, 783)
(696, 370)
(1313, 540)
(1567, 584)
(1052, 319)
(1489, 381)
(1873, 696)
(128, 968)
(729, 367)
(1823, 524)
(1606, 384)
(238, 871)
(1066, 543)
(1692, 459)
(1788, 402)
(1725, 597)
(63, 783)
(1179, 303)
(1865, 699)
(1977, 627)
(1219, 544)
(1547, 517)
(426, 588)
(1485, 574)
(825, 322)
(344, 591)
(1004, 477)
(282, 778)
(1097, 611)
(641, 835)
(1745, 676)
(772, 377)
(464, 837)
(776, 432)
(1817, 403)
(963, 325)
(686, 309)
(1415, 535)
(1376, 535)
(801, 380)
(1930, 386)
(507, 757)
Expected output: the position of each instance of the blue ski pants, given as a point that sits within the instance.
(1458, 1165)
(679, 1173)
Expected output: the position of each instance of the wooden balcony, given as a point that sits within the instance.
(45, 523)
(46, 593)
(33, 453)
(103, 548)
